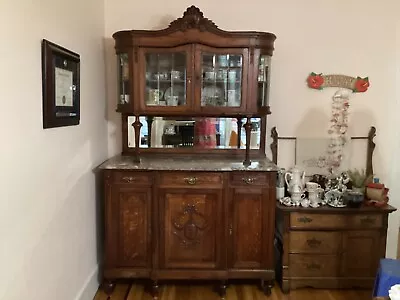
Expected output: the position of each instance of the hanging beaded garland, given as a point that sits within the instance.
(339, 115)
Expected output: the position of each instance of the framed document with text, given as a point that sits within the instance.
(60, 85)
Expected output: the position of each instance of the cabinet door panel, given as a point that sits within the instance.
(191, 234)
(246, 227)
(221, 79)
(129, 227)
(166, 79)
(361, 253)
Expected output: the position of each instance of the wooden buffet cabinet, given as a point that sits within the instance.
(195, 208)
(330, 247)
(189, 225)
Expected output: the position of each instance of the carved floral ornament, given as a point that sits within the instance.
(193, 18)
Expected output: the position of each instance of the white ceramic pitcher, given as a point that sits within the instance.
(297, 180)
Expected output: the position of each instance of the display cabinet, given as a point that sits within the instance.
(192, 194)
(193, 69)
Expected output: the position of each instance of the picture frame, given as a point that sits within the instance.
(60, 86)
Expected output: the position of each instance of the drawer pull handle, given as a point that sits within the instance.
(313, 243)
(304, 220)
(191, 180)
(248, 180)
(313, 266)
(367, 220)
(128, 179)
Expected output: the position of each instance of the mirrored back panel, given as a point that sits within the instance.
(212, 133)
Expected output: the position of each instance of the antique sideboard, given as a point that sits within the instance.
(192, 195)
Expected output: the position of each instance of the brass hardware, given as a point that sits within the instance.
(128, 179)
(230, 229)
(313, 266)
(367, 220)
(304, 220)
(248, 180)
(313, 243)
(190, 180)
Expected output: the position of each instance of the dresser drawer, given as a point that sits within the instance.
(314, 242)
(308, 265)
(304, 220)
(135, 178)
(249, 179)
(365, 221)
(191, 179)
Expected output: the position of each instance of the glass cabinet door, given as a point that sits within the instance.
(221, 79)
(123, 79)
(166, 75)
(264, 71)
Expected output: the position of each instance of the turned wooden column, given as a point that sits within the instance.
(149, 124)
(239, 127)
(247, 127)
(137, 126)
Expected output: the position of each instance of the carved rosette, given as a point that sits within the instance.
(193, 18)
(190, 224)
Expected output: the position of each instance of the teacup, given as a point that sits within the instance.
(312, 195)
(312, 186)
(297, 197)
(172, 101)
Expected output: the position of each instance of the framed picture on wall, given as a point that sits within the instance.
(60, 86)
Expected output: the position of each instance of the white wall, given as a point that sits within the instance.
(48, 231)
(353, 37)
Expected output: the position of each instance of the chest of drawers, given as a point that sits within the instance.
(329, 247)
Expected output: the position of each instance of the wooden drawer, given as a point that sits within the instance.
(314, 242)
(135, 178)
(304, 220)
(365, 221)
(191, 179)
(333, 221)
(249, 178)
(308, 265)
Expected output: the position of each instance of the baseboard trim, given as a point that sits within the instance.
(90, 286)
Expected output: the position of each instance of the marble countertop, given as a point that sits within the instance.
(180, 163)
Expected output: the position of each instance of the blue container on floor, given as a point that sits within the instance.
(387, 276)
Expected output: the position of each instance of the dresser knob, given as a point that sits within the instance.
(248, 180)
(191, 180)
(304, 220)
(313, 243)
(313, 266)
(367, 220)
(128, 179)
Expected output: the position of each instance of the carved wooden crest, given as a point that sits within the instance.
(193, 18)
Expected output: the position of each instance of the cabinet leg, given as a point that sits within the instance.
(285, 286)
(108, 286)
(155, 289)
(266, 286)
(222, 289)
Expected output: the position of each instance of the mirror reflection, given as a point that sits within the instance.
(213, 133)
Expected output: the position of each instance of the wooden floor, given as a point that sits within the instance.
(126, 291)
